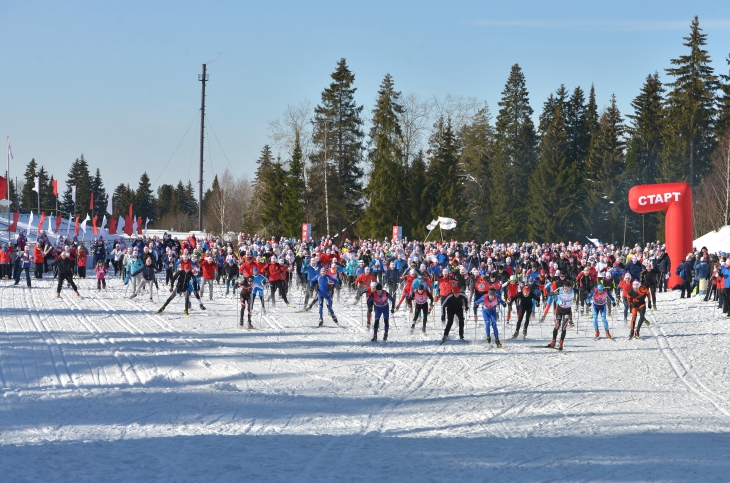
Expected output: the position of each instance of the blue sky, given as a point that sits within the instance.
(117, 81)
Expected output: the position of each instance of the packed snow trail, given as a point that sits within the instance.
(101, 387)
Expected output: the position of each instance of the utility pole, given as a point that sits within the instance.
(202, 78)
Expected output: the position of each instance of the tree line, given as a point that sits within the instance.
(562, 175)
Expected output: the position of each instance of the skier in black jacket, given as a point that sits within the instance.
(180, 285)
(64, 265)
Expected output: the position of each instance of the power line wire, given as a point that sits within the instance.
(178, 146)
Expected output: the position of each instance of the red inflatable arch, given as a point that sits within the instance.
(676, 200)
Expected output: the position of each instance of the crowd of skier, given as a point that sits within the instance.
(559, 280)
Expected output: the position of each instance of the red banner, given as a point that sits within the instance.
(59, 219)
(139, 225)
(77, 224)
(95, 231)
(112, 226)
(55, 187)
(676, 200)
(91, 203)
(14, 225)
(3, 188)
(306, 231)
(43, 219)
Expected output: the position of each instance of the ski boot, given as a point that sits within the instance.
(240, 324)
(516, 334)
(560, 346)
(631, 335)
(250, 325)
(524, 334)
(413, 325)
(202, 307)
(186, 313)
(78, 294)
(321, 323)
(598, 335)
(133, 296)
(551, 344)
(423, 331)
(375, 337)
(334, 319)
(489, 339)
(499, 344)
(161, 310)
(608, 335)
(636, 335)
(58, 295)
(385, 336)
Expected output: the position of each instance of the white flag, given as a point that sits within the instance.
(120, 225)
(145, 225)
(73, 194)
(432, 225)
(109, 205)
(83, 224)
(10, 150)
(595, 241)
(68, 227)
(30, 222)
(50, 224)
(447, 223)
(103, 222)
(36, 187)
(134, 225)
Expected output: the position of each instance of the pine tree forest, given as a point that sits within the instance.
(561, 173)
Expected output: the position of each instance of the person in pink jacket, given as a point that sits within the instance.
(101, 272)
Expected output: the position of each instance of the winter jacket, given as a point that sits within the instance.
(101, 272)
(702, 269)
(684, 270)
(38, 256)
(663, 264)
(208, 268)
(634, 270)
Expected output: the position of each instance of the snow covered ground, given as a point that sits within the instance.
(101, 388)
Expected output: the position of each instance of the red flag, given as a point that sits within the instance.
(95, 231)
(55, 187)
(139, 225)
(59, 219)
(14, 225)
(128, 221)
(3, 188)
(77, 225)
(112, 226)
(91, 203)
(43, 218)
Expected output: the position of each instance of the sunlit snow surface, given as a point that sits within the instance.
(103, 389)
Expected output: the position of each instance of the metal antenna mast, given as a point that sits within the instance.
(202, 78)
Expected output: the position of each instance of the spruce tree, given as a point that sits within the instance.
(43, 185)
(444, 177)
(123, 197)
(338, 138)
(292, 197)
(477, 157)
(385, 189)
(606, 170)
(78, 176)
(97, 186)
(165, 195)
(723, 104)
(48, 199)
(516, 154)
(591, 115)
(551, 201)
(144, 199)
(418, 204)
(645, 144)
(690, 112)
(29, 198)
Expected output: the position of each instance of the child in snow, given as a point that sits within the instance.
(246, 300)
(101, 272)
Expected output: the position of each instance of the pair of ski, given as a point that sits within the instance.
(550, 347)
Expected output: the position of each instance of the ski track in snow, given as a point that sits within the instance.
(101, 387)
